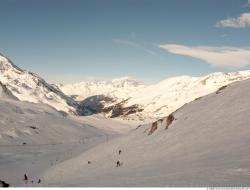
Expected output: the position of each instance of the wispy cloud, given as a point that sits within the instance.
(247, 3)
(133, 44)
(232, 57)
(242, 21)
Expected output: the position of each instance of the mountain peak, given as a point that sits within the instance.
(27, 86)
(7, 64)
(125, 81)
(125, 78)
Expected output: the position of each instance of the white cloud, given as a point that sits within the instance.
(133, 44)
(224, 56)
(242, 21)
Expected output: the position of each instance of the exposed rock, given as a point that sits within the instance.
(169, 120)
(220, 89)
(153, 128)
(96, 104)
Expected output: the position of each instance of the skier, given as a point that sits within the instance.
(118, 164)
(120, 151)
(25, 178)
(39, 181)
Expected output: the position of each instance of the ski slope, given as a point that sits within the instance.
(34, 137)
(207, 144)
(114, 126)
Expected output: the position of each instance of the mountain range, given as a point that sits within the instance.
(131, 100)
(124, 98)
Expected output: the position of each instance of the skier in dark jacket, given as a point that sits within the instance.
(25, 178)
(120, 151)
(118, 164)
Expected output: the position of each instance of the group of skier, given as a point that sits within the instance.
(118, 163)
(26, 180)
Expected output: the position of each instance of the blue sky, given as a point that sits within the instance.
(73, 40)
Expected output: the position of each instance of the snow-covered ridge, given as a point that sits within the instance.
(5, 93)
(168, 95)
(154, 101)
(117, 88)
(27, 86)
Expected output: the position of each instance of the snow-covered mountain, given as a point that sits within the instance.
(168, 95)
(118, 88)
(5, 93)
(131, 100)
(27, 86)
(123, 98)
(27, 123)
(204, 143)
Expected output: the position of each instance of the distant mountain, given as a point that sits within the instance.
(168, 95)
(27, 86)
(131, 100)
(118, 88)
